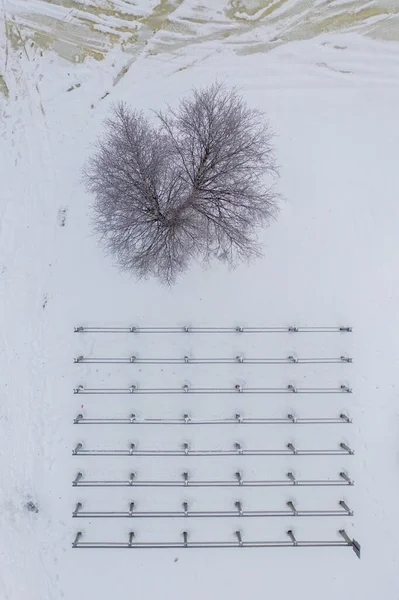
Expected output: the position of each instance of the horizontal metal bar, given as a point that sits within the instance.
(254, 544)
(238, 388)
(259, 544)
(231, 421)
(210, 453)
(210, 515)
(189, 329)
(238, 480)
(232, 483)
(132, 360)
(185, 542)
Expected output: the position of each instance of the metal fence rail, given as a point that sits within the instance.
(239, 542)
(238, 481)
(190, 329)
(186, 512)
(211, 361)
(237, 419)
(290, 449)
(289, 389)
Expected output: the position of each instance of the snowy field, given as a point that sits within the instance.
(332, 98)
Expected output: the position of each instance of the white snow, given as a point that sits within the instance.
(330, 259)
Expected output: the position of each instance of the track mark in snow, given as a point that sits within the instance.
(27, 430)
(326, 66)
(73, 87)
(62, 216)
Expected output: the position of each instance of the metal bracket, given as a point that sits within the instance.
(292, 507)
(239, 537)
(292, 537)
(77, 448)
(353, 543)
(76, 540)
(238, 506)
(346, 447)
(239, 477)
(77, 509)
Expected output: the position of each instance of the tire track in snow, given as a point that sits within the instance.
(26, 437)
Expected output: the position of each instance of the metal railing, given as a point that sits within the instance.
(185, 360)
(191, 329)
(239, 542)
(185, 419)
(237, 450)
(186, 512)
(237, 481)
(237, 388)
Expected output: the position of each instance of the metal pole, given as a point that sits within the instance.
(229, 544)
(237, 480)
(347, 539)
(346, 478)
(211, 360)
(237, 450)
(237, 418)
(345, 418)
(77, 509)
(77, 479)
(346, 447)
(346, 507)
(188, 329)
(239, 508)
(76, 540)
(77, 448)
(209, 514)
(353, 543)
(292, 507)
(292, 537)
(346, 389)
(237, 446)
(201, 391)
(239, 537)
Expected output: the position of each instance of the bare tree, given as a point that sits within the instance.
(194, 186)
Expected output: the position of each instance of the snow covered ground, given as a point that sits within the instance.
(330, 259)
